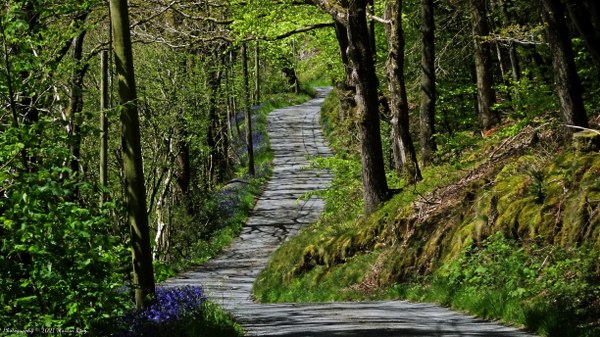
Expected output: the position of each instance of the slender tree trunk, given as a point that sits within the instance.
(161, 239)
(143, 273)
(374, 182)
(214, 81)
(233, 100)
(512, 50)
(566, 79)
(345, 88)
(104, 106)
(486, 97)
(257, 73)
(428, 88)
(406, 164)
(76, 100)
(247, 111)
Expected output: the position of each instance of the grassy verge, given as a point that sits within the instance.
(506, 228)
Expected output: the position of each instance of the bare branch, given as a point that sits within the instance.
(153, 16)
(298, 31)
(378, 19)
(582, 128)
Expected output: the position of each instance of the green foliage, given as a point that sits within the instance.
(344, 194)
(452, 145)
(503, 279)
(59, 262)
(527, 97)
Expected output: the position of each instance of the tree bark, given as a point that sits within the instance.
(143, 273)
(104, 106)
(375, 189)
(247, 111)
(581, 15)
(428, 88)
(406, 164)
(76, 99)
(566, 80)
(214, 81)
(257, 73)
(486, 96)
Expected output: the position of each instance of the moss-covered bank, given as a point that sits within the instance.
(508, 229)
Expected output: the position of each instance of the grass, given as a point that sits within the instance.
(505, 227)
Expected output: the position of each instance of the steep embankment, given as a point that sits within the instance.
(507, 228)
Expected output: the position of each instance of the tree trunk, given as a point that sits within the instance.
(486, 97)
(247, 111)
(367, 106)
(405, 165)
(257, 73)
(143, 273)
(214, 82)
(566, 79)
(104, 106)
(76, 100)
(512, 50)
(428, 94)
(345, 88)
(581, 17)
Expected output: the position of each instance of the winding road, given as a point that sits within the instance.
(279, 213)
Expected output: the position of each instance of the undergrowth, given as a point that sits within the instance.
(504, 227)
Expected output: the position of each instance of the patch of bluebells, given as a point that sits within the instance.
(173, 306)
(229, 200)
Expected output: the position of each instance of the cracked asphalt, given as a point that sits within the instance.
(279, 213)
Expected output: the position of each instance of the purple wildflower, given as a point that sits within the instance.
(172, 305)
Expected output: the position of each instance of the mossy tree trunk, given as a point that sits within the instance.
(375, 189)
(352, 31)
(143, 273)
(405, 157)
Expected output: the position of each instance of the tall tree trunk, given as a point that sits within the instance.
(247, 111)
(406, 164)
(582, 18)
(104, 106)
(345, 88)
(486, 97)
(233, 100)
(214, 82)
(75, 106)
(566, 79)
(374, 182)
(428, 90)
(143, 273)
(512, 50)
(257, 73)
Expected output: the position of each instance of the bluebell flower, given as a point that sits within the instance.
(171, 306)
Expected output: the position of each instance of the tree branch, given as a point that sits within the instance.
(333, 8)
(298, 31)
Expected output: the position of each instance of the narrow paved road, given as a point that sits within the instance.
(279, 214)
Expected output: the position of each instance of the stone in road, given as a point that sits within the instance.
(279, 213)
